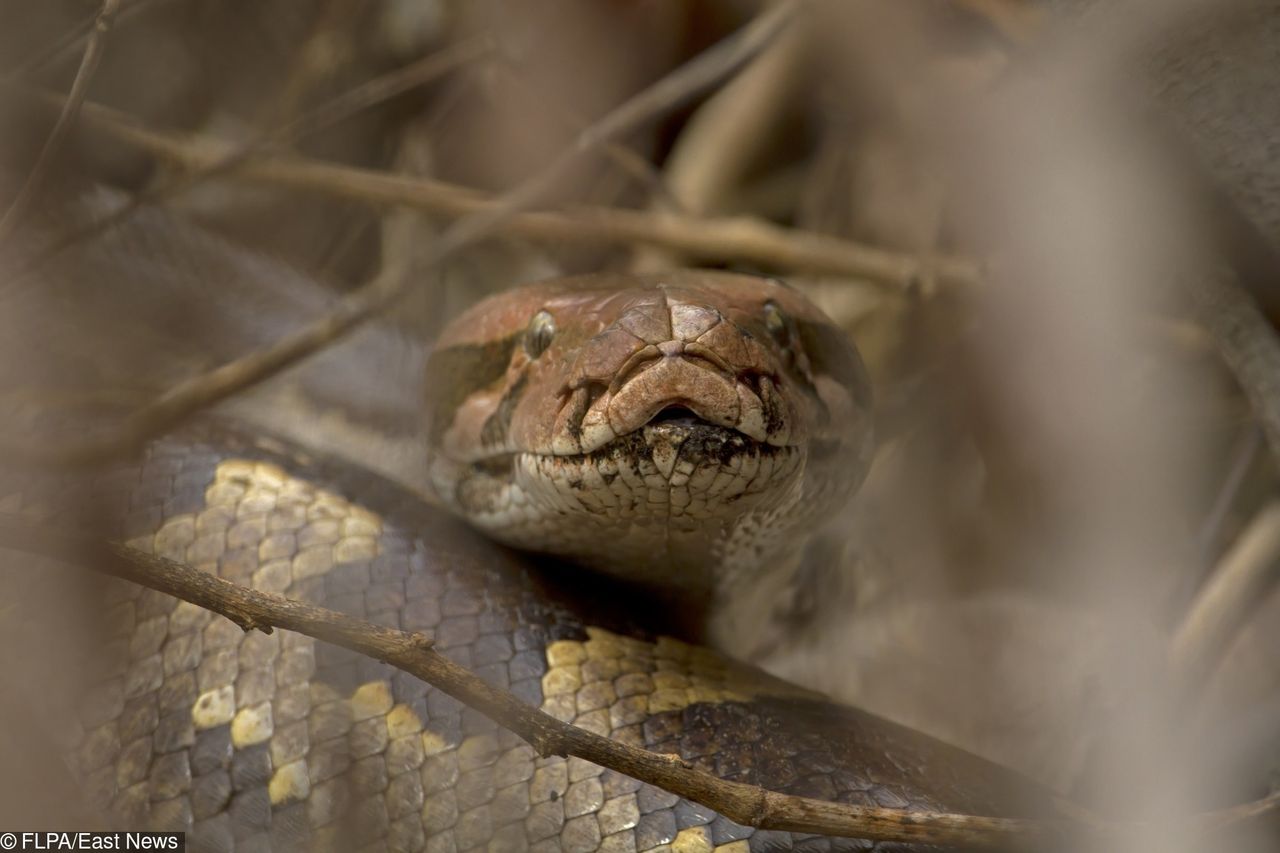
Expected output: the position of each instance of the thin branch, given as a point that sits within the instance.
(70, 109)
(72, 39)
(340, 108)
(727, 132)
(749, 805)
(670, 92)
(1251, 568)
(1242, 456)
(1238, 585)
(630, 162)
(740, 239)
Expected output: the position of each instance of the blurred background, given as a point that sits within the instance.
(1024, 213)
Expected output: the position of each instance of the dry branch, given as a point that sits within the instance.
(749, 805)
(670, 92)
(1238, 586)
(66, 118)
(229, 158)
(740, 239)
(1248, 572)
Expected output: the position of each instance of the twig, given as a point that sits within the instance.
(726, 134)
(1242, 456)
(1238, 585)
(624, 158)
(70, 109)
(72, 38)
(670, 92)
(749, 805)
(1251, 568)
(229, 158)
(738, 239)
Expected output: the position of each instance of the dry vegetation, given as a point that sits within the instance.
(1051, 228)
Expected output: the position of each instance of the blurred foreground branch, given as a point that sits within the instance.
(66, 118)
(1238, 586)
(1250, 569)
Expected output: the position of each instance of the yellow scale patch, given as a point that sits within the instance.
(607, 684)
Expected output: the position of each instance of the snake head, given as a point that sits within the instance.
(660, 426)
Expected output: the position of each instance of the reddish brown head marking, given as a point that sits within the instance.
(655, 425)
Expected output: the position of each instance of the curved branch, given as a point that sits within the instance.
(1250, 570)
(1238, 586)
(749, 805)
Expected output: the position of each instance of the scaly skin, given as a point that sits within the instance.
(680, 430)
(250, 741)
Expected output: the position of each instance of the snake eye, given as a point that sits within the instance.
(538, 334)
(777, 324)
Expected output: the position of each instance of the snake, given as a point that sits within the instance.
(600, 450)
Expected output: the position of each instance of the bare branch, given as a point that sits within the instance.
(70, 109)
(1239, 584)
(229, 158)
(741, 239)
(670, 92)
(1251, 568)
(73, 38)
(749, 805)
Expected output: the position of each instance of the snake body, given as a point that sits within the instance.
(254, 741)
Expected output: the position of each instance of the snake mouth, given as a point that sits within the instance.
(671, 397)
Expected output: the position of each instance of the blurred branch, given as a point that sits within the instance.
(749, 805)
(673, 90)
(1239, 584)
(229, 158)
(73, 38)
(1242, 457)
(739, 239)
(725, 134)
(66, 118)
(624, 158)
(1251, 568)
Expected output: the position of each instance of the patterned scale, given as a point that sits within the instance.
(256, 741)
